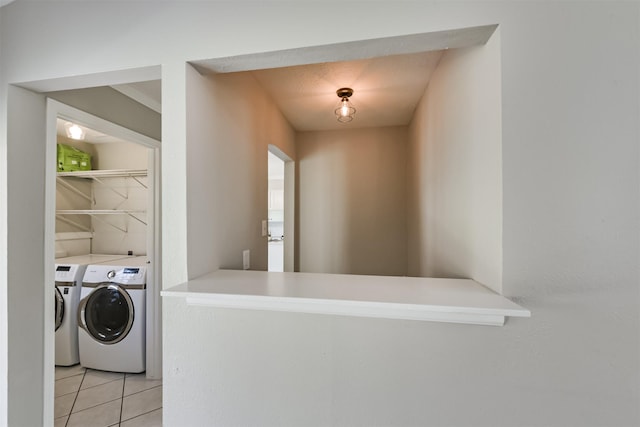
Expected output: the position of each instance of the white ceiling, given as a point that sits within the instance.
(91, 136)
(388, 75)
(386, 90)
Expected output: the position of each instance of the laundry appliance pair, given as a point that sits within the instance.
(69, 273)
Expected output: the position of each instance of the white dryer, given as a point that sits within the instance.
(68, 277)
(112, 317)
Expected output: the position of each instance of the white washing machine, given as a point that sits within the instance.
(112, 317)
(68, 278)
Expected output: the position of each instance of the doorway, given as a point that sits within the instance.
(280, 210)
(31, 172)
(275, 222)
(126, 186)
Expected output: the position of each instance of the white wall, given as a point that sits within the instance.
(570, 212)
(231, 122)
(27, 300)
(351, 201)
(174, 175)
(455, 169)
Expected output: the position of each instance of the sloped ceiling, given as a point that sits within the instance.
(147, 93)
(91, 135)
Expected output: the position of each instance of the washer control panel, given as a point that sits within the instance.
(67, 272)
(116, 274)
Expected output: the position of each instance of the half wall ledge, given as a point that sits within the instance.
(390, 297)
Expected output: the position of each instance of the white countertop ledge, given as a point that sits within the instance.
(390, 297)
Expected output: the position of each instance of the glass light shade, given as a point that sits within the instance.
(345, 111)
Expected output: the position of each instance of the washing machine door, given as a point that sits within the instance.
(59, 308)
(106, 313)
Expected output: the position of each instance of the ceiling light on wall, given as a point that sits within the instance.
(74, 131)
(345, 111)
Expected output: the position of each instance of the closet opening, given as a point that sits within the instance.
(31, 215)
(105, 195)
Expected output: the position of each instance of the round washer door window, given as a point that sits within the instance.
(59, 308)
(107, 313)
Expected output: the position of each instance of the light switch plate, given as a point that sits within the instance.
(264, 227)
(246, 259)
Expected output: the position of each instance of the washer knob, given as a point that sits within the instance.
(111, 274)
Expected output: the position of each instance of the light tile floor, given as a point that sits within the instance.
(86, 397)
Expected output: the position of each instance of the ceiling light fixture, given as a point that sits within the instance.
(345, 111)
(74, 131)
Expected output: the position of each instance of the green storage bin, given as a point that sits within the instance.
(71, 159)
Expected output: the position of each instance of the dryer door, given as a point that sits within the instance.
(59, 308)
(106, 313)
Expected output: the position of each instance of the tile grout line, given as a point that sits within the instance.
(121, 398)
(98, 385)
(74, 400)
(124, 382)
(142, 391)
(66, 378)
(138, 416)
(95, 406)
(139, 392)
(70, 376)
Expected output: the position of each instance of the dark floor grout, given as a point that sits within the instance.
(124, 381)
(138, 416)
(141, 391)
(76, 398)
(121, 398)
(94, 406)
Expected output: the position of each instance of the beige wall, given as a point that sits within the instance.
(455, 170)
(351, 192)
(571, 216)
(230, 123)
(120, 155)
(106, 239)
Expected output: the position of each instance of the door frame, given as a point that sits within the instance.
(55, 110)
(289, 206)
